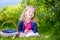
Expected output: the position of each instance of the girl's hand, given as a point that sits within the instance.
(29, 31)
(26, 31)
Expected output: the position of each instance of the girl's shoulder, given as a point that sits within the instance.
(21, 22)
(33, 22)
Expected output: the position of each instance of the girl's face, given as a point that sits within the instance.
(29, 13)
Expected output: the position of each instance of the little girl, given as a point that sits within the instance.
(27, 25)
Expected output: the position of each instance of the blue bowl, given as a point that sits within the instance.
(9, 31)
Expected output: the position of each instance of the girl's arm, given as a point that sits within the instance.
(34, 28)
(20, 26)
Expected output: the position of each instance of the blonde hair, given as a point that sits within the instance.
(22, 17)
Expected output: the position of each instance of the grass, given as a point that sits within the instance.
(16, 38)
(42, 37)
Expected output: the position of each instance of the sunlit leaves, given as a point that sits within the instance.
(10, 13)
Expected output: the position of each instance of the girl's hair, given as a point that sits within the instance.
(22, 17)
